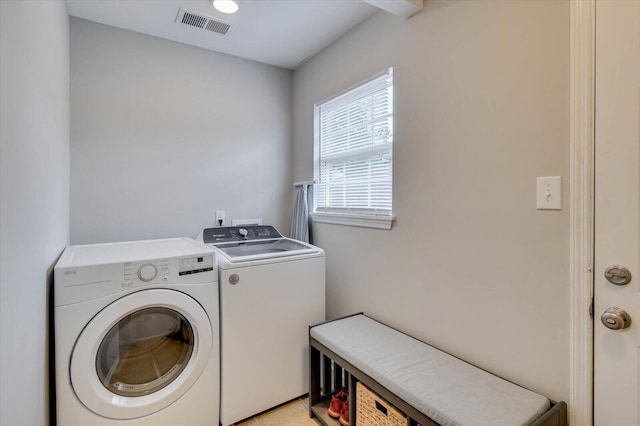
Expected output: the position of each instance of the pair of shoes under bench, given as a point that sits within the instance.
(339, 407)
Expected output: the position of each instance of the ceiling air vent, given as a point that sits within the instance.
(199, 20)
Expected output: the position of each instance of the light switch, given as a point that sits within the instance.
(549, 193)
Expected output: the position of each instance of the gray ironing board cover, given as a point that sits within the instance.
(444, 388)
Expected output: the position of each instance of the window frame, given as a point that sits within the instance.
(365, 219)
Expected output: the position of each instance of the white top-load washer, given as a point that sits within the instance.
(136, 334)
(271, 289)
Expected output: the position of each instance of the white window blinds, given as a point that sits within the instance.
(354, 132)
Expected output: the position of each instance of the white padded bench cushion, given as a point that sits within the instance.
(446, 389)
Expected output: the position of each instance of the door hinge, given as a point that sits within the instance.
(591, 309)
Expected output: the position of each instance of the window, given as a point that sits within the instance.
(354, 155)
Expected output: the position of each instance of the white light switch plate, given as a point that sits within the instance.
(549, 193)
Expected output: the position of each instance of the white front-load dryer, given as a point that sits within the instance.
(137, 334)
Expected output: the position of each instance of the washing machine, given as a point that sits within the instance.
(136, 334)
(271, 289)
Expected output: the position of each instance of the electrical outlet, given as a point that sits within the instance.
(219, 217)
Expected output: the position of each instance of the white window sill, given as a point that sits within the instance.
(361, 220)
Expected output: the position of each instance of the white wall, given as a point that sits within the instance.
(34, 196)
(481, 110)
(163, 134)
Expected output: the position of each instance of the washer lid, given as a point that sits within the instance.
(257, 250)
(141, 353)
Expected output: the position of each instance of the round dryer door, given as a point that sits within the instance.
(141, 353)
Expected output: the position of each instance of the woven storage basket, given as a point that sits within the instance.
(371, 410)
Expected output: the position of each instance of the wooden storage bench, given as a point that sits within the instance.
(428, 386)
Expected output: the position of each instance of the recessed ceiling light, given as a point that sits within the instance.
(225, 6)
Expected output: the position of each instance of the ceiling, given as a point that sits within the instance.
(283, 33)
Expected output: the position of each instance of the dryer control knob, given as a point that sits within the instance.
(147, 272)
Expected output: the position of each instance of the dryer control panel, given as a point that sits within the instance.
(90, 272)
(231, 234)
(195, 265)
(159, 271)
(145, 272)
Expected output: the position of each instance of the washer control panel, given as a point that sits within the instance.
(229, 234)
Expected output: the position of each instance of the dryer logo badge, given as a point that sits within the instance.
(70, 272)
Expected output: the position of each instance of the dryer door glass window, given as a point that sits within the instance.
(145, 351)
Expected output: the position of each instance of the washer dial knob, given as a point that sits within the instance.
(147, 272)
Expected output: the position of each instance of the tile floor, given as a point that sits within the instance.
(293, 413)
